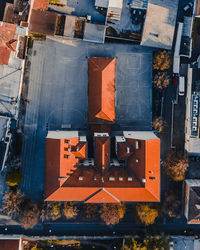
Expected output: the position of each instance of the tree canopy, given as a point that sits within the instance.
(13, 177)
(176, 166)
(70, 210)
(161, 60)
(147, 213)
(112, 213)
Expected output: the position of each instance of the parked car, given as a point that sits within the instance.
(188, 8)
(181, 88)
(175, 79)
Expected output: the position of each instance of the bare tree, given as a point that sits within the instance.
(29, 215)
(12, 203)
(161, 80)
(112, 213)
(158, 124)
(70, 210)
(90, 210)
(176, 166)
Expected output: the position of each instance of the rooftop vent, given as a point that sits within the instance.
(95, 178)
(136, 160)
(111, 178)
(137, 144)
(80, 178)
(153, 34)
(130, 178)
(120, 178)
(128, 150)
(144, 180)
(62, 178)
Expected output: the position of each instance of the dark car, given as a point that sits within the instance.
(175, 79)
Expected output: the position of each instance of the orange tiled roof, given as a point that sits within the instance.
(8, 41)
(101, 85)
(102, 153)
(61, 161)
(80, 150)
(138, 180)
(40, 4)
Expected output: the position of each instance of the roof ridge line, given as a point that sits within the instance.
(104, 189)
(93, 194)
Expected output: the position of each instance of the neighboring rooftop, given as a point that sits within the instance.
(9, 244)
(40, 4)
(94, 33)
(43, 22)
(16, 12)
(160, 24)
(10, 82)
(192, 201)
(8, 41)
(192, 136)
(197, 11)
(4, 139)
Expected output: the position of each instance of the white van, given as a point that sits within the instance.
(181, 86)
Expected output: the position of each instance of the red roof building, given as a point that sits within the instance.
(122, 167)
(133, 176)
(101, 90)
(8, 41)
(40, 4)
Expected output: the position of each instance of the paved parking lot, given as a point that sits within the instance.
(58, 96)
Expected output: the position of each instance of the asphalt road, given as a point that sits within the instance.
(94, 229)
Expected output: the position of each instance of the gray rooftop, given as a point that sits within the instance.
(10, 82)
(160, 24)
(94, 33)
(4, 139)
(4, 124)
(101, 3)
(69, 29)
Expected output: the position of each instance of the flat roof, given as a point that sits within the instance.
(70, 22)
(94, 33)
(10, 87)
(40, 4)
(160, 23)
(43, 22)
(3, 126)
(101, 3)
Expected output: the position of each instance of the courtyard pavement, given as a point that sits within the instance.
(58, 96)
